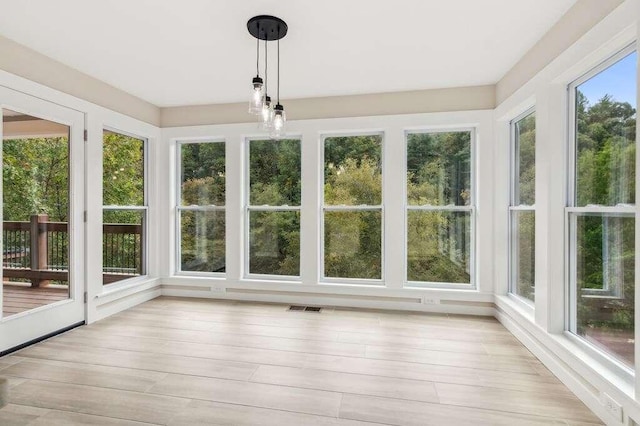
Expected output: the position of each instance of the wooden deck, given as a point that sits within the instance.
(17, 298)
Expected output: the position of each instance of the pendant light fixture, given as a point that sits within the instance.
(279, 117)
(266, 116)
(271, 119)
(257, 97)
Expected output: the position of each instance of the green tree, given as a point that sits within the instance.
(353, 177)
(605, 175)
(35, 178)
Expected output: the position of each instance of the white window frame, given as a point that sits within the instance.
(144, 208)
(193, 208)
(338, 208)
(514, 183)
(571, 212)
(448, 208)
(248, 208)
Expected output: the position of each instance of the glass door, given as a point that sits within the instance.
(42, 218)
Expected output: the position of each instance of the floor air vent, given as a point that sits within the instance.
(304, 308)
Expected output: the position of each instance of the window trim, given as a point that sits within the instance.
(375, 282)
(179, 208)
(612, 361)
(248, 208)
(144, 207)
(471, 208)
(514, 181)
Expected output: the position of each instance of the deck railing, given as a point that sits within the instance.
(37, 251)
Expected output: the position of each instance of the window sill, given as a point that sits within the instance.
(118, 287)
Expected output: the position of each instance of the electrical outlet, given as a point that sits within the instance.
(430, 300)
(612, 407)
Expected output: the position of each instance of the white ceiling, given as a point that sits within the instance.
(187, 52)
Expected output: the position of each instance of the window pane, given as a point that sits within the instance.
(202, 242)
(353, 244)
(439, 246)
(353, 170)
(203, 173)
(605, 129)
(525, 146)
(123, 170)
(274, 167)
(122, 244)
(523, 253)
(605, 281)
(274, 242)
(439, 168)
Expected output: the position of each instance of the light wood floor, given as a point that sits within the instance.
(189, 362)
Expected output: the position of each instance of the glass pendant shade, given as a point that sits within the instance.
(256, 102)
(279, 120)
(266, 117)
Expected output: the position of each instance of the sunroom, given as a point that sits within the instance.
(336, 213)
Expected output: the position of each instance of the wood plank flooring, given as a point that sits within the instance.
(16, 298)
(181, 362)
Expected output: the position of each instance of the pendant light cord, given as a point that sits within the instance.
(278, 69)
(258, 57)
(266, 63)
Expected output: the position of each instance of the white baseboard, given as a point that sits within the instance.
(125, 298)
(415, 301)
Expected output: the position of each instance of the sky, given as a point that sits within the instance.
(619, 81)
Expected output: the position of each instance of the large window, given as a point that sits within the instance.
(201, 207)
(273, 208)
(439, 207)
(125, 208)
(601, 212)
(353, 207)
(522, 210)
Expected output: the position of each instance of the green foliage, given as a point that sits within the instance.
(438, 174)
(274, 241)
(275, 180)
(605, 249)
(354, 183)
(36, 181)
(526, 146)
(203, 173)
(524, 224)
(438, 246)
(352, 244)
(275, 172)
(122, 170)
(338, 148)
(353, 177)
(202, 246)
(35, 178)
(439, 168)
(123, 165)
